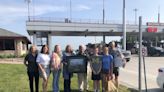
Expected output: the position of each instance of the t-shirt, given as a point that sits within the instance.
(106, 62)
(117, 60)
(43, 59)
(56, 60)
(32, 65)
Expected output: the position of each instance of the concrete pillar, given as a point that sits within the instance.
(156, 41)
(34, 39)
(104, 39)
(49, 40)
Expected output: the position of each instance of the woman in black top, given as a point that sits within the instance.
(32, 68)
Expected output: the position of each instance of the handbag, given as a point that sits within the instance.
(111, 86)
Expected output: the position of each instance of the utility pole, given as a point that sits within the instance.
(135, 10)
(140, 55)
(28, 5)
(159, 14)
(70, 10)
(103, 11)
(103, 19)
(124, 26)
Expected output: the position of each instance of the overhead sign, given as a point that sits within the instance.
(152, 29)
(154, 24)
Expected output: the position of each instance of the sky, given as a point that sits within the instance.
(13, 14)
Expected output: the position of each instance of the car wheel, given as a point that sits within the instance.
(163, 86)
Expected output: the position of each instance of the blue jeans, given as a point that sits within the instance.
(56, 77)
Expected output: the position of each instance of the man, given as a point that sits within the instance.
(118, 61)
(82, 77)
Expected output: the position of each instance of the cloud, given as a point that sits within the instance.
(22, 10)
(82, 8)
(10, 13)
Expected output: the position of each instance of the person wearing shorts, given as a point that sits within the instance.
(118, 60)
(96, 77)
(107, 69)
(43, 60)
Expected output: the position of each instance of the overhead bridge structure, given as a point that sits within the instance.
(47, 28)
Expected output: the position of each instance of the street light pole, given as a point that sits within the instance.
(28, 5)
(104, 19)
(124, 25)
(159, 14)
(103, 11)
(135, 10)
(70, 10)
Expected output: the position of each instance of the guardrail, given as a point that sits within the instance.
(74, 20)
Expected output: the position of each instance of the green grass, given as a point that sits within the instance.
(13, 78)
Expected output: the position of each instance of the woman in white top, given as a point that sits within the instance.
(43, 60)
(56, 67)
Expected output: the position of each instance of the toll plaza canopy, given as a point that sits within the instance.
(73, 28)
(64, 27)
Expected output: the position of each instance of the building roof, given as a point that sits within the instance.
(8, 34)
(4, 32)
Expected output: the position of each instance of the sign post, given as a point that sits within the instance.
(144, 66)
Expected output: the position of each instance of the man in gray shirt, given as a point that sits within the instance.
(118, 60)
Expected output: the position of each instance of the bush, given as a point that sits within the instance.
(23, 56)
(7, 56)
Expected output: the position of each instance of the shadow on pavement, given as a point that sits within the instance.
(132, 90)
(154, 90)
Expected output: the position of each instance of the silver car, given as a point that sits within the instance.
(160, 78)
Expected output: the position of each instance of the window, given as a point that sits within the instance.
(9, 44)
(1, 45)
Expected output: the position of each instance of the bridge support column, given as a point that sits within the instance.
(104, 39)
(34, 39)
(156, 41)
(49, 40)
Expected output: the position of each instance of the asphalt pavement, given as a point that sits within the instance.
(129, 74)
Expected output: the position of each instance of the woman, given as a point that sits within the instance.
(56, 67)
(32, 68)
(43, 61)
(67, 76)
(96, 77)
(107, 69)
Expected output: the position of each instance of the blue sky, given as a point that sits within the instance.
(13, 14)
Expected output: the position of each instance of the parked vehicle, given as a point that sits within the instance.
(127, 55)
(160, 78)
(155, 51)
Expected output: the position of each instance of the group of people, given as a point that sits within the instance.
(44, 63)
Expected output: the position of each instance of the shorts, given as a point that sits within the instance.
(47, 70)
(96, 76)
(116, 71)
(105, 71)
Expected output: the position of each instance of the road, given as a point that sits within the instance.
(129, 74)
